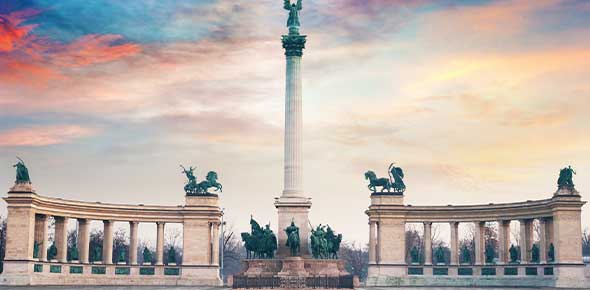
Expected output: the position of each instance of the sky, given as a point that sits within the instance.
(478, 101)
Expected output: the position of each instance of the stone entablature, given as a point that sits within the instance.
(560, 229)
(27, 223)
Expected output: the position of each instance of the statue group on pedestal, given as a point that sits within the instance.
(192, 188)
(325, 243)
(22, 173)
(394, 182)
(259, 243)
(293, 9)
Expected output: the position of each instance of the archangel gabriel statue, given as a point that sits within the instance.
(293, 8)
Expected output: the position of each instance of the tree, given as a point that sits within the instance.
(414, 240)
(2, 242)
(73, 245)
(233, 252)
(356, 259)
(172, 244)
(120, 246)
(585, 243)
(491, 243)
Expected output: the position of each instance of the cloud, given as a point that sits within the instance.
(29, 60)
(44, 135)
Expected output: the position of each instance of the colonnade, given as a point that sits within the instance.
(83, 243)
(504, 244)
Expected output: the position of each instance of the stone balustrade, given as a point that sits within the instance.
(28, 215)
(559, 228)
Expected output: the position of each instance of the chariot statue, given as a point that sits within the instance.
(394, 182)
(192, 188)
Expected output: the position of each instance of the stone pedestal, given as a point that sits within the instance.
(293, 267)
(293, 209)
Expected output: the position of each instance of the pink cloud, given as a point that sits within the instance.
(44, 135)
(28, 60)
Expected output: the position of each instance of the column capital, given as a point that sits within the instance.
(454, 223)
(294, 44)
(427, 223)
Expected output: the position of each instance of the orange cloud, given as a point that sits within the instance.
(44, 135)
(27, 60)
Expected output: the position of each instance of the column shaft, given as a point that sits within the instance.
(107, 243)
(526, 239)
(215, 243)
(41, 236)
(372, 250)
(428, 243)
(454, 243)
(61, 238)
(503, 241)
(293, 128)
(83, 240)
(133, 231)
(160, 244)
(479, 243)
(543, 248)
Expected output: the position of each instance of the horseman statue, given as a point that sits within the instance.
(193, 188)
(325, 244)
(394, 182)
(565, 180)
(293, 241)
(259, 243)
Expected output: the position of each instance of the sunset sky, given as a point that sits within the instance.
(478, 101)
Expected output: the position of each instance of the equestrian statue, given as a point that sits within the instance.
(394, 182)
(202, 188)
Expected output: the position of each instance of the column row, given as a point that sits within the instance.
(83, 243)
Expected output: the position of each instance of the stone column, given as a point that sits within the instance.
(549, 235)
(543, 248)
(107, 243)
(41, 235)
(61, 238)
(526, 240)
(215, 246)
(160, 244)
(454, 243)
(133, 230)
(479, 243)
(427, 243)
(372, 228)
(503, 241)
(379, 247)
(84, 240)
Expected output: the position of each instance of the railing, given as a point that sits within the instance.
(316, 282)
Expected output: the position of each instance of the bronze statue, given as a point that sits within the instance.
(395, 181)
(259, 243)
(293, 241)
(565, 180)
(22, 173)
(293, 9)
(325, 244)
(192, 188)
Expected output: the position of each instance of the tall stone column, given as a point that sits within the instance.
(41, 237)
(61, 238)
(479, 243)
(428, 243)
(107, 243)
(293, 205)
(543, 241)
(526, 240)
(454, 243)
(133, 230)
(372, 250)
(160, 244)
(84, 240)
(503, 241)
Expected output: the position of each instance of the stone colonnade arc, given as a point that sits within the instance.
(560, 226)
(28, 215)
